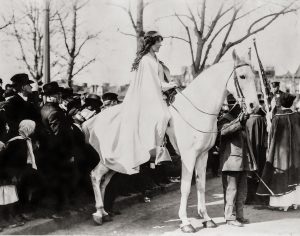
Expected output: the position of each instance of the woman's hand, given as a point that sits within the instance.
(173, 84)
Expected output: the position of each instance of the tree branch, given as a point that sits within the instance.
(173, 15)
(175, 37)
(128, 34)
(202, 16)
(89, 37)
(192, 17)
(24, 58)
(64, 32)
(128, 11)
(189, 41)
(215, 21)
(149, 3)
(84, 66)
(209, 46)
(250, 33)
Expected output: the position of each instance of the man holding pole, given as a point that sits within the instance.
(276, 94)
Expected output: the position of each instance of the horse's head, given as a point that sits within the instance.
(241, 84)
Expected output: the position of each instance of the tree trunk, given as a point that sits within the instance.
(73, 47)
(139, 23)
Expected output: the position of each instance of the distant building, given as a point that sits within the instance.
(288, 82)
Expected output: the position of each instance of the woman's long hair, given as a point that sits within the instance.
(150, 38)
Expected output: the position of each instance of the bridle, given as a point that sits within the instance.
(239, 93)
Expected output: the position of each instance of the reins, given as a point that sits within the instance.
(239, 94)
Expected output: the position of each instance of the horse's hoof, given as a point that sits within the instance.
(188, 229)
(98, 220)
(107, 218)
(295, 206)
(209, 224)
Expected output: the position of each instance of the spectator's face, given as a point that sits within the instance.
(109, 103)
(56, 98)
(27, 89)
(275, 89)
(79, 117)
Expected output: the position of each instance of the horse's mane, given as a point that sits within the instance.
(220, 66)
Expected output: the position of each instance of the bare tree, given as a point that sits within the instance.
(27, 29)
(216, 33)
(7, 22)
(73, 41)
(138, 22)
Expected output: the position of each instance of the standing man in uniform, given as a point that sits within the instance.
(236, 162)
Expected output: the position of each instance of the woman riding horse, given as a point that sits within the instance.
(126, 134)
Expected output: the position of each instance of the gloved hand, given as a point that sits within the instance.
(243, 117)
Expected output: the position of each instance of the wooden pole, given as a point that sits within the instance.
(264, 87)
(47, 44)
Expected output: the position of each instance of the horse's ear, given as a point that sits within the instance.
(235, 57)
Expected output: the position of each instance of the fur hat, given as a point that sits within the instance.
(286, 100)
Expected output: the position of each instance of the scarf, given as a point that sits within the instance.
(26, 128)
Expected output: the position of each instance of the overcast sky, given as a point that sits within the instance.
(279, 44)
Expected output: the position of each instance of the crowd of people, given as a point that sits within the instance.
(45, 158)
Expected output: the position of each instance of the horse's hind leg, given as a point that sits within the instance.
(103, 186)
(200, 170)
(96, 175)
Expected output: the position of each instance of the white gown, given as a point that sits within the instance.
(126, 134)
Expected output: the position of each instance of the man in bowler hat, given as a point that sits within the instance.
(92, 106)
(57, 146)
(110, 99)
(18, 108)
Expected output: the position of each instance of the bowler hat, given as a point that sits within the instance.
(93, 99)
(110, 96)
(20, 79)
(67, 92)
(51, 88)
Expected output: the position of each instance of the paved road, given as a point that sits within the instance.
(160, 218)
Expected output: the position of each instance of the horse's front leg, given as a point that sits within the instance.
(188, 163)
(96, 175)
(200, 170)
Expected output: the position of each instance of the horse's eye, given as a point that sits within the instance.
(242, 77)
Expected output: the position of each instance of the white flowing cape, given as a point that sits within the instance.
(126, 134)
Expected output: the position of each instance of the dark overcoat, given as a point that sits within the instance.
(282, 169)
(234, 147)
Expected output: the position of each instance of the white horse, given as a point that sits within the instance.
(193, 131)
